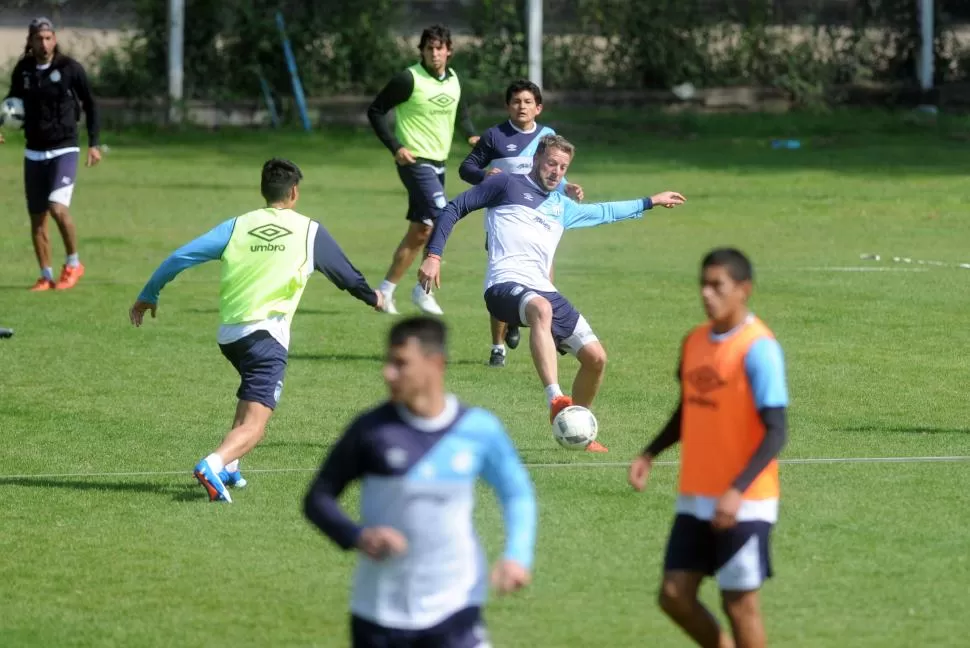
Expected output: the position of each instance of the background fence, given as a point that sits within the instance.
(806, 49)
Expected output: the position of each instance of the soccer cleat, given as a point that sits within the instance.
(389, 307)
(6, 333)
(69, 276)
(497, 359)
(426, 301)
(558, 404)
(512, 336)
(42, 284)
(211, 482)
(232, 479)
(596, 446)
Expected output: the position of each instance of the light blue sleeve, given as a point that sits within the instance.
(504, 472)
(764, 365)
(576, 215)
(207, 247)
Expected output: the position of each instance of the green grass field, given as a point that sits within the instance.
(866, 554)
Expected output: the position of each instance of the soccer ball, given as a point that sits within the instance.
(12, 112)
(575, 427)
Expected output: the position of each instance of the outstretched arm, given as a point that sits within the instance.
(594, 214)
(329, 259)
(207, 247)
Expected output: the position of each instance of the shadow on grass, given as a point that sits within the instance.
(180, 491)
(369, 357)
(905, 429)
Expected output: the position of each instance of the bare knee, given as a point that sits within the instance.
(675, 599)
(38, 221)
(59, 212)
(418, 234)
(741, 606)
(538, 313)
(593, 357)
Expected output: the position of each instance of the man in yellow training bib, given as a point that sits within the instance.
(267, 258)
(731, 423)
(427, 100)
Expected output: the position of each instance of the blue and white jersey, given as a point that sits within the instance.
(504, 147)
(525, 224)
(418, 476)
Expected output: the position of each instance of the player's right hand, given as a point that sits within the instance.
(509, 576)
(379, 543)
(404, 157)
(379, 307)
(668, 199)
(639, 472)
(137, 312)
(429, 274)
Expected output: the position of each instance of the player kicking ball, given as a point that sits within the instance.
(525, 220)
(268, 256)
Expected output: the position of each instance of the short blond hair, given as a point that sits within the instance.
(557, 142)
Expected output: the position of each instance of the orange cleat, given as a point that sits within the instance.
(69, 276)
(42, 284)
(558, 404)
(596, 446)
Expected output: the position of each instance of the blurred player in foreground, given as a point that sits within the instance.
(731, 423)
(421, 577)
(509, 148)
(427, 100)
(267, 258)
(525, 220)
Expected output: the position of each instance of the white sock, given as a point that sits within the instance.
(232, 466)
(72, 260)
(499, 347)
(387, 287)
(47, 273)
(215, 462)
(552, 391)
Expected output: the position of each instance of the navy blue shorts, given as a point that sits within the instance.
(49, 181)
(506, 302)
(426, 190)
(463, 629)
(740, 557)
(261, 363)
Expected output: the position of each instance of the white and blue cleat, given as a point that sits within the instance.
(232, 479)
(212, 483)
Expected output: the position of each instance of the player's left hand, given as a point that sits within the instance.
(668, 199)
(509, 576)
(726, 511)
(94, 156)
(137, 312)
(379, 306)
(429, 274)
(574, 191)
(473, 140)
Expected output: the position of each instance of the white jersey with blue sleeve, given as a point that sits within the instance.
(418, 477)
(525, 224)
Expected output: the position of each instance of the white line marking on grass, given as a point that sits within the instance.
(573, 464)
(861, 269)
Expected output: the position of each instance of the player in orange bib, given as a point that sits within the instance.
(731, 423)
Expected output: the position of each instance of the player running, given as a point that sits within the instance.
(525, 221)
(509, 148)
(731, 423)
(267, 258)
(427, 100)
(421, 573)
